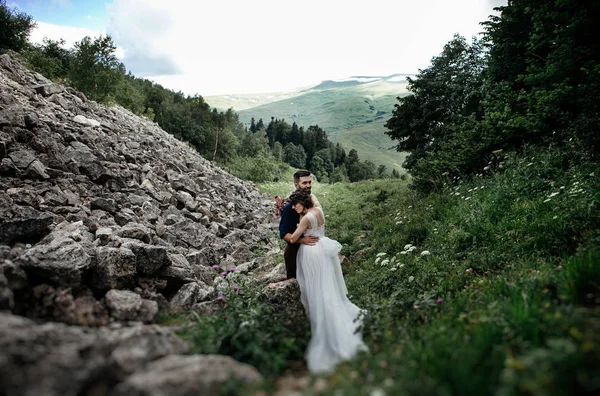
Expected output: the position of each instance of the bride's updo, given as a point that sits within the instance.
(302, 197)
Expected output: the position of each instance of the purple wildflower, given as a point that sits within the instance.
(224, 273)
(236, 287)
(440, 300)
(216, 267)
(220, 298)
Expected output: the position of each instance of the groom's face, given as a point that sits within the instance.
(304, 183)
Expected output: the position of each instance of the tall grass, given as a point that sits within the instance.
(499, 292)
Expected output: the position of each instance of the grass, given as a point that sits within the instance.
(506, 299)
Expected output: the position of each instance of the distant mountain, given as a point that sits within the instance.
(352, 111)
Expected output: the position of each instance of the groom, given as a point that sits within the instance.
(289, 221)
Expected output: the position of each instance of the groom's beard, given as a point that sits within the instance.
(307, 189)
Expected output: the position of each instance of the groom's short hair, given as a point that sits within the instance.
(300, 173)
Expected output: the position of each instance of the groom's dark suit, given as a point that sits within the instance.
(287, 225)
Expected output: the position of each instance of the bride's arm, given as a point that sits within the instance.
(301, 228)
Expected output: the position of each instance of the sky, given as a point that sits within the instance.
(218, 47)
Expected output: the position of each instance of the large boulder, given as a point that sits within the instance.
(186, 375)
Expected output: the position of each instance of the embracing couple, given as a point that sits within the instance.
(313, 259)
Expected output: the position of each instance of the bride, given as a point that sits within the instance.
(334, 320)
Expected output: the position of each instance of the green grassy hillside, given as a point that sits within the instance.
(351, 113)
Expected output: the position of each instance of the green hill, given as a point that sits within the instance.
(352, 112)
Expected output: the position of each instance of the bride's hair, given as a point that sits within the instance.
(301, 196)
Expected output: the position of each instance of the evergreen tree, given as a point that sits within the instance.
(294, 155)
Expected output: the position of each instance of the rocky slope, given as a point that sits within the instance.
(105, 221)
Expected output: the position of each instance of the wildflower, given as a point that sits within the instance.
(411, 278)
(377, 260)
(406, 247)
(236, 288)
(439, 300)
(412, 248)
(555, 217)
(401, 265)
(385, 262)
(404, 252)
(220, 298)
(467, 198)
(381, 254)
(231, 269)
(377, 392)
(554, 194)
(425, 253)
(224, 273)
(399, 222)
(469, 270)
(487, 168)
(393, 269)
(547, 200)
(215, 267)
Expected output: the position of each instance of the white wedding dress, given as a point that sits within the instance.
(334, 320)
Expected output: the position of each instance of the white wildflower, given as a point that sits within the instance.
(411, 278)
(408, 246)
(401, 265)
(467, 198)
(377, 260)
(555, 217)
(554, 194)
(393, 269)
(425, 253)
(381, 254)
(547, 200)
(385, 262)
(404, 252)
(412, 249)
(377, 392)
(399, 222)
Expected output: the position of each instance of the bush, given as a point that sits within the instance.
(249, 330)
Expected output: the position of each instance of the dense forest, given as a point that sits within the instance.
(533, 79)
(257, 153)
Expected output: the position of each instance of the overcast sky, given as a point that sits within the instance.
(249, 46)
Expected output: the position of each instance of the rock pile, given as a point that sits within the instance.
(106, 220)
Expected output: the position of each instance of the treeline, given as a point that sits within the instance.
(533, 79)
(257, 153)
(311, 149)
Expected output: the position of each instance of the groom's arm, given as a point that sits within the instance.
(287, 226)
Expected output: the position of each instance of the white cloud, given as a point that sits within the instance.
(55, 32)
(70, 34)
(240, 46)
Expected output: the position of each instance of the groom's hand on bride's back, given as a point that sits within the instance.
(309, 240)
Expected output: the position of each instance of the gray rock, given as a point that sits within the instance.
(115, 268)
(62, 261)
(129, 306)
(176, 375)
(191, 294)
(47, 89)
(149, 259)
